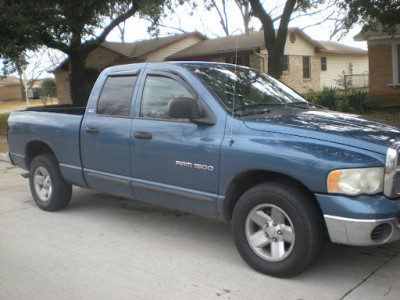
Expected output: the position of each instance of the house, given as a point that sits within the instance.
(35, 90)
(10, 89)
(308, 64)
(338, 60)
(384, 65)
(249, 50)
(109, 54)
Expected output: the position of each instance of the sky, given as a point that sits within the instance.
(207, 22)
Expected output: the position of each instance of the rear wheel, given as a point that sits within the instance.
(277, 229)
(48, 187)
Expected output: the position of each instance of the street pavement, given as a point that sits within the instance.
(104, 247)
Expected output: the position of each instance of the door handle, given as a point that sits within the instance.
(92, 130)
(142, 135)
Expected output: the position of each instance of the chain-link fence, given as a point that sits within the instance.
(358, 81)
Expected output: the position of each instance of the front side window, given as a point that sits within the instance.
(246, 91)
(157, 92)
(116, 96)
(306, 67)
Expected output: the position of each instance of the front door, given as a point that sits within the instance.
(173, 160)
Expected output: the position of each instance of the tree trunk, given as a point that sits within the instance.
(275, 65)
(275, 43)
(77, 78)
(22, 87)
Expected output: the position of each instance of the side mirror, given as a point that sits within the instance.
(183, 108)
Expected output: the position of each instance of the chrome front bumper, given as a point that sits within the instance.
(362, 232)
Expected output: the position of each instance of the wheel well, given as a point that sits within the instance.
(246, 180)
(34, 149)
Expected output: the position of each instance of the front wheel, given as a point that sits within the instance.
(48, 187)
(277, 228)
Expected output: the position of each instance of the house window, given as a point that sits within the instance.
(285, 63)
(396, 64)
(238, 60)
(324, 65)
(306, 67)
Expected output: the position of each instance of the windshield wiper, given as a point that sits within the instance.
(300, 104)
(244, 107)
(255, 111)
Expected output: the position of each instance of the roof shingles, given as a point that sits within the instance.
(144, 47)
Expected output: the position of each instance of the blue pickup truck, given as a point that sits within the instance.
(225, 142)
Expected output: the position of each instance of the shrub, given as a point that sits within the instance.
(358, 101)
(353, 101)
(49, 88)
(328, 97)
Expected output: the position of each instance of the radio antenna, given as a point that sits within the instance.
(231, 141)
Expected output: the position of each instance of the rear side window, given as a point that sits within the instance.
(116, 96)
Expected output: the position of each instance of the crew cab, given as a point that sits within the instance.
(225, 142)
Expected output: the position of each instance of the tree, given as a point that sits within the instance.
(372, 13)
(16, 65)
(275, 41)
(223, 9)
(30, 66)
(75, 27)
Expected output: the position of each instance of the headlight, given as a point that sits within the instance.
(356, 181)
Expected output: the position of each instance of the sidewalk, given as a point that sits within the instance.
(3, 157)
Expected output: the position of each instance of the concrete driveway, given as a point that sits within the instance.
(103, 247)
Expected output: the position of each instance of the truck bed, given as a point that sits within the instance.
(57, 127)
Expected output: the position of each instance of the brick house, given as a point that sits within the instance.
(308, 64)
(384, 66)
(109, 54)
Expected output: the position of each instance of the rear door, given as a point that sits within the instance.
(106, 137)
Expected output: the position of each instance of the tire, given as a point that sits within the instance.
(277, 229)
(48, 187)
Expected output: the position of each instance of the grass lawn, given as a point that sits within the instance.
(6, 107)
(3, 132)
(391, 115)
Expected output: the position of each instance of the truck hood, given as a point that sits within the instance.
(341, 128)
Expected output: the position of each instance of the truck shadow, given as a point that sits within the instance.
(203, 236)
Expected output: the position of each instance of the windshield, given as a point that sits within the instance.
(254, 92)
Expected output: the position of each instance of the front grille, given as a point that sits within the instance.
(392, 171)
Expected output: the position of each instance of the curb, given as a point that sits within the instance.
(3, 157)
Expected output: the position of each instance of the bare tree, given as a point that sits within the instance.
(33, 65)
